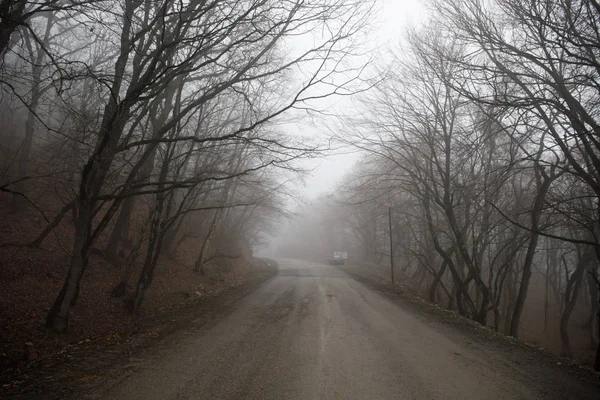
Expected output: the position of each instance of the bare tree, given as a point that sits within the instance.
(206, 49)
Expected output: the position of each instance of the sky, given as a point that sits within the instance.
(395, 16)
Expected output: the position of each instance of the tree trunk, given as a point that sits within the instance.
(58, 317)
(543, 183)
(92, 179)
(171, 243)
(481, 316)
(510, 298)
(146, 275)
(546, 300)
(11, 14)
(157, 233)
(121, 288)
(436, 281)
(120, 232)
(36, 93)
(199, 266)
(153, 250)
(571, 293)
(594, 275)
(597, 361)
(594, 299)
(452, 298)
(17, 204)
(37, 242)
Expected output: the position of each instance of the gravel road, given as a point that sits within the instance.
(313, 332)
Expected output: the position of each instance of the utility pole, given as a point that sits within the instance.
(597, 360)
(391, 243)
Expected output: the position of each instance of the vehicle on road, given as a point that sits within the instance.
(338, 258)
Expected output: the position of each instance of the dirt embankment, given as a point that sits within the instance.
(71, 362)
(31, 278)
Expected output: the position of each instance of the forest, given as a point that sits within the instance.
(145, 138)
(144, 145)
(480, 149)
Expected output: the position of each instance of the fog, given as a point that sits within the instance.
(164, 158)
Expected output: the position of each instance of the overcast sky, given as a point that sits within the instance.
(395, 16)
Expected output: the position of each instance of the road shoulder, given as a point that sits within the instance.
(549, 374)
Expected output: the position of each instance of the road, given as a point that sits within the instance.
(313, 332)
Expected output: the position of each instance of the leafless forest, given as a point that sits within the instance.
(133, 131)
(148, 142)
(482, 142)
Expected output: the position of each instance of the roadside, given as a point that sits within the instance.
(59, 372)
(31, 278)
(554, 375)
(314, 332)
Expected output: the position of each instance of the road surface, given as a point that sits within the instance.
(313, 332)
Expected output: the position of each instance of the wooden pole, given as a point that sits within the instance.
(391, 243)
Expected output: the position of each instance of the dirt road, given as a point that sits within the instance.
(313, 332)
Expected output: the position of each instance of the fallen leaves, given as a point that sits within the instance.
(32, 277)
(87, 378)
(12, 384)
(112, 336)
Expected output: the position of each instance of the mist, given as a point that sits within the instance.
(320, 173)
